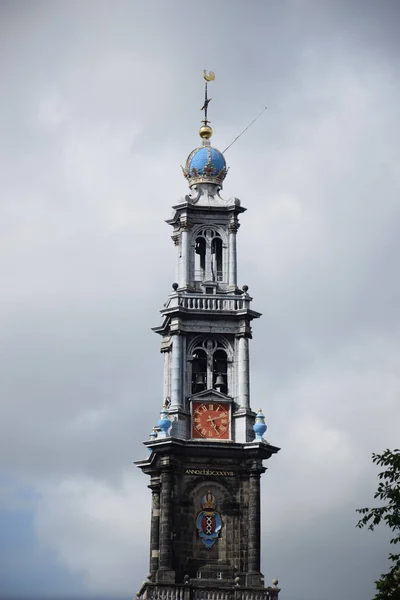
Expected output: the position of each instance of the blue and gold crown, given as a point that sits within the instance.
(208, 500)
(205, 165)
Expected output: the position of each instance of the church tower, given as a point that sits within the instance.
(207, 451)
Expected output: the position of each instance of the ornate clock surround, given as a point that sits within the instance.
(210, 418)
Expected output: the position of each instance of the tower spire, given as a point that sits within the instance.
(205, 131)
(207, 450)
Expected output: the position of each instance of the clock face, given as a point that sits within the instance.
(210, 420)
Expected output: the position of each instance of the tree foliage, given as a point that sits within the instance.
(388, 492)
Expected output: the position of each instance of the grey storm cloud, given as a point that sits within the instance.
(99, 108)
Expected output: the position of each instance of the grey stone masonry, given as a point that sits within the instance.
(187, 471)
(207, 452)
(207, 314)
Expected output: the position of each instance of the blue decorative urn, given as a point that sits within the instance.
(164, 423)
(153, 434)
(259, 426)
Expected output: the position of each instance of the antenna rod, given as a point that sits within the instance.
(245, 129)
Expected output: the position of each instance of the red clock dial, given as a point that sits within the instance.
(210, 420)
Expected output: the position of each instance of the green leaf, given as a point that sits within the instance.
(388, 586)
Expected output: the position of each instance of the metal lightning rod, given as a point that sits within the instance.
(245, 129)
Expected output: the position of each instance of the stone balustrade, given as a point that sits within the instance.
(209, 303)
(157, 591)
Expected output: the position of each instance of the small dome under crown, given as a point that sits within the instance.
(205, 165)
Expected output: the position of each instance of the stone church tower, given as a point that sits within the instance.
(207, 452)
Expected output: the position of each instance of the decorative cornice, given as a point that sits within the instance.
(175, 239)
(244, 334)
(155, 486)
(185, 224)
(233, 226)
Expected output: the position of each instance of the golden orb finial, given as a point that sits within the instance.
(205, 132)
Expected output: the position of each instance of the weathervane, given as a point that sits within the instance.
(205, 130)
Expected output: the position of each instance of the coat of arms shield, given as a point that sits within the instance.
(208, 521)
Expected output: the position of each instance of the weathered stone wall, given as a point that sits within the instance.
(230, 487)
(182, 474)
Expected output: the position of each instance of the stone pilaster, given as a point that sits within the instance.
(165, 351)
(232, 253)
(254, 576)
(165, 574)
(176, 372)
(243, 369)
(185, 254)
(155, 527)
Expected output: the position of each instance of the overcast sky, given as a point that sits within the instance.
(99, 107)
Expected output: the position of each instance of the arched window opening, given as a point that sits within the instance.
(200, 259)
(210, 366)
(220, 371)
(216, 259)
(199, 371)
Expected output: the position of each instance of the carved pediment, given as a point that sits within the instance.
(211, 395)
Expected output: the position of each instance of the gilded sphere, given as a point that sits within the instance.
(205, 132)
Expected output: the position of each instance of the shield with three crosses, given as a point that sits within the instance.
(208, 521)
